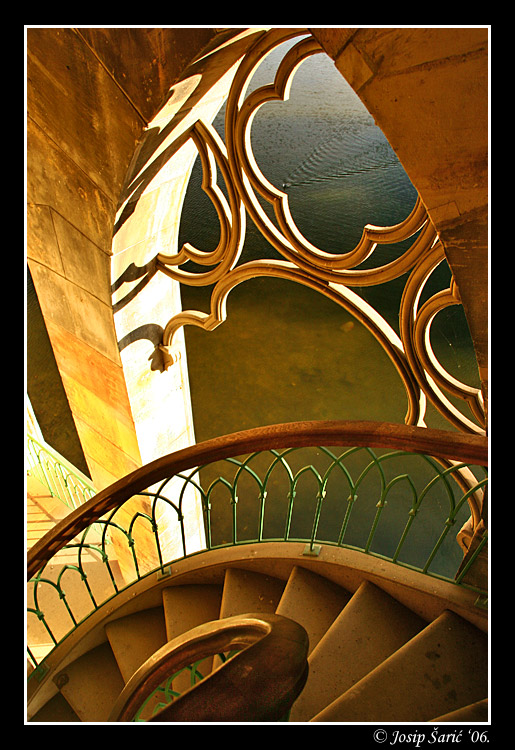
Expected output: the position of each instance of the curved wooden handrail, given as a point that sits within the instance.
(438, 443)
(258, 684)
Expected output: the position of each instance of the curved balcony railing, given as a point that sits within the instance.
(388, 490)
(62, 479)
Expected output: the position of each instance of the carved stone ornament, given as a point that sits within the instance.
(333, 275)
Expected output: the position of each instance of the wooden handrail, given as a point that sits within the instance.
(438, 443)
(259, 683)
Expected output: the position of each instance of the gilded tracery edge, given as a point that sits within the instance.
(332, 275)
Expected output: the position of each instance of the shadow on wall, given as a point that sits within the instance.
(160, 359)
(168, 132)
(133, 273)
(202, 76)
(45, 387)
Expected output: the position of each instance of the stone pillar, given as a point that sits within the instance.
(90, 92)
(73, 175)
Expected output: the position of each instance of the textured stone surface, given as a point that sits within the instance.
(90, 92)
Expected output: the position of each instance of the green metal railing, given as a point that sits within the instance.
(444, 491)
(62, 479)
(165, 694)
(395, 505)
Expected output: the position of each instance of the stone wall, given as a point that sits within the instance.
(90, 93)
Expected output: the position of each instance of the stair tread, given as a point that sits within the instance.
(56, 710)
(474, 712)
(135, 637)
(186, 607)
(92, 683)
(371, 659)
(368, 630)
(246, 591)
(40, 496)
(312, 601)
(439, 670)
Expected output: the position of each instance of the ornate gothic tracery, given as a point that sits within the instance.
(331, 274)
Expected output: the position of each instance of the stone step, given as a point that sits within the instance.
(56, 711)
(368, 630)
(471, 714)
(371, 658)
(136, 637)
(440, 670)
(186, 607)
(313, 601)
(91, 684)
(247, 592)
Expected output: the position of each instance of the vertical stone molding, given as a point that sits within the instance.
(147, 223)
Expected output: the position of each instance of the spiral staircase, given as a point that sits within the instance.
(269, 629)
(369, 640)
(371, 658)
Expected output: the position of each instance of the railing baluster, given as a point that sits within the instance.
(54, 471)
(346, 470)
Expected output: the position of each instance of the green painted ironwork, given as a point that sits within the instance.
(394, 505)
(165, 693)
(62, 479)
